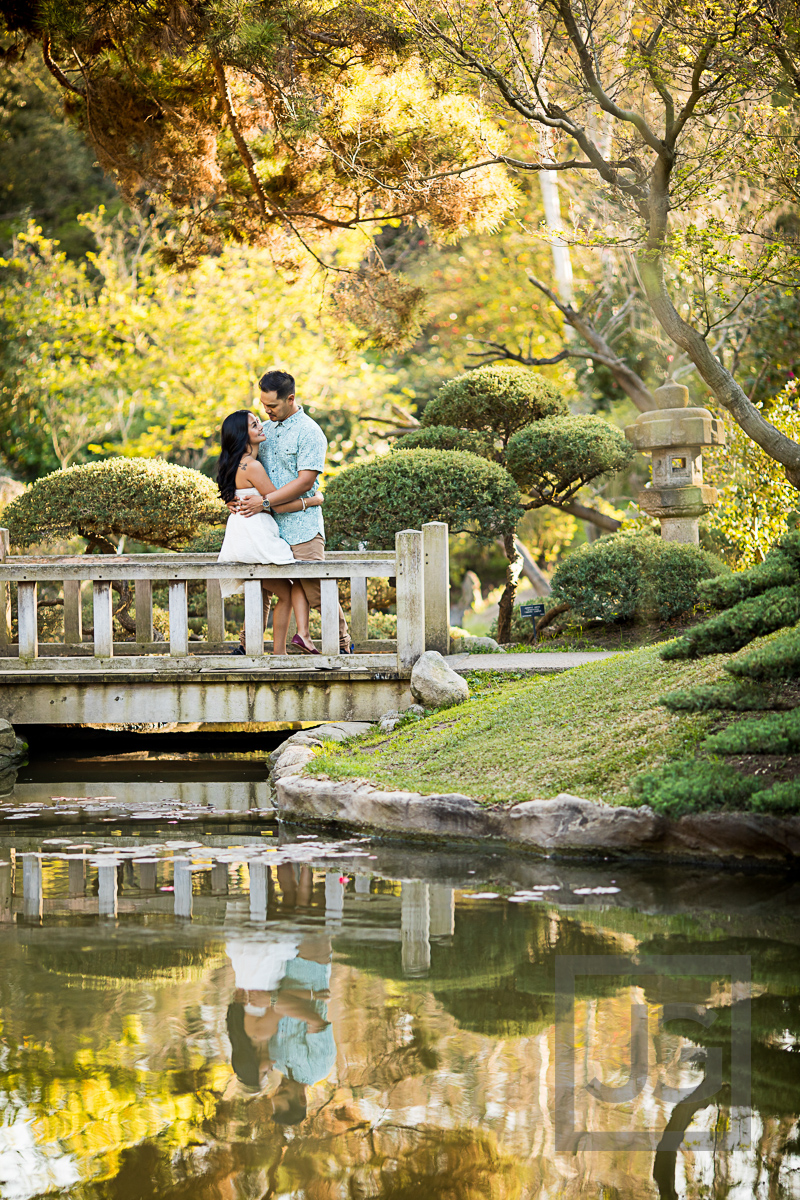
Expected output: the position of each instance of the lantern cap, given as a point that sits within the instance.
(671, 395)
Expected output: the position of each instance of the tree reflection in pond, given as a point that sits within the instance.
(335, 1040)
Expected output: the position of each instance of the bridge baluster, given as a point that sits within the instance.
(26, 619)
(73, 617)
(215, 612)
(5, 594)
(144, 610)
(178, 618)
(358, 609)
(410, 599)
(253, 617)
(329, 604)
(102, 618)
(437, 586)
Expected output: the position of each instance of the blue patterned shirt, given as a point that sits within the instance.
(294, 445)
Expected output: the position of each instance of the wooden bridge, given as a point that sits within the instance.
(146, 681)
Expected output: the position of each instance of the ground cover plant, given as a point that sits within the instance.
(587, 731)
(764, 600)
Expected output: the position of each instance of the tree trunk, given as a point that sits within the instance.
(712, 372)
(507, 599)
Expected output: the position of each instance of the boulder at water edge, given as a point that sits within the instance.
(434, 684)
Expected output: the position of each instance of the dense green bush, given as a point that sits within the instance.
(370, 502)
(498, 399)
(712, 697)
(556, 456)
(777, 570)
(738, 625)
(778, 659)
(781, 798)
(630, 575)
(759, 601)
(694, 786)
(778, 733)
(447, 437)
(145, 499)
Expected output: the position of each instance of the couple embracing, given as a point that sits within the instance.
(268, 475)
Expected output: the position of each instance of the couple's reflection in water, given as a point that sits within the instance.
(281, 1039)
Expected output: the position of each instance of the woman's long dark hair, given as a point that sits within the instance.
(235, 439)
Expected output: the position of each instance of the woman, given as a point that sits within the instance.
(257, 539)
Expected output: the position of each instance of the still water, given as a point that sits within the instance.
(224, 1014)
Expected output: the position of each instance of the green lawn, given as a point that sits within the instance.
(588, 731)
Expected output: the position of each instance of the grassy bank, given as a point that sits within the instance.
(588, 731)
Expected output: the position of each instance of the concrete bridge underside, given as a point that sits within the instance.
(219, 694)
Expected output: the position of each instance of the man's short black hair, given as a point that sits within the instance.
(279, 382)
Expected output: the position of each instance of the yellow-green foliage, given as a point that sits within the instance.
(145, 499)
(755, 496)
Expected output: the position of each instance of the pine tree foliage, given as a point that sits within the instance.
(763, 600)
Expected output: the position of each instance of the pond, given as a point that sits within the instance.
(232, 1011)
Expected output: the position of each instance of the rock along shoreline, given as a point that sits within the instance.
(567, 826)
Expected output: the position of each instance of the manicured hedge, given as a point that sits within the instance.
(370, 502)
(447, 437)
(695, 785)
(738, 625)
(778, 659)
(557, 453)
(778, 733)
(719, 696)
(628, 575)
(145, 499)
(777, 570)
(498, 400)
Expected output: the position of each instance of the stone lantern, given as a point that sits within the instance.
(675, 435)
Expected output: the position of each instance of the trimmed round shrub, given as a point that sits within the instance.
(145, 499)
(558, 455)
(498, 399)
(447, 437)
(370, 502)
(633, 575)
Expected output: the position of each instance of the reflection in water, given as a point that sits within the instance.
(319, 1020)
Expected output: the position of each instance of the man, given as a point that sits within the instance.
(293, 456)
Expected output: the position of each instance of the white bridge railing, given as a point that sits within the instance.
(419, 563)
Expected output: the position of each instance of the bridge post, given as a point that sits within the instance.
(358, 609)
(5, 593)
(253, 617)
(144, 610)
(410, 599)
(26, 619)
(178, 619)
(329, 606)
(437, 586)
(73, 617)
(215, 612)
(102, 619)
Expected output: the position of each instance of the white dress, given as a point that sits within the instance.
(251, 540)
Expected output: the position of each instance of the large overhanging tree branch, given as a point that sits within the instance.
(691, 80)
(601, 350)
